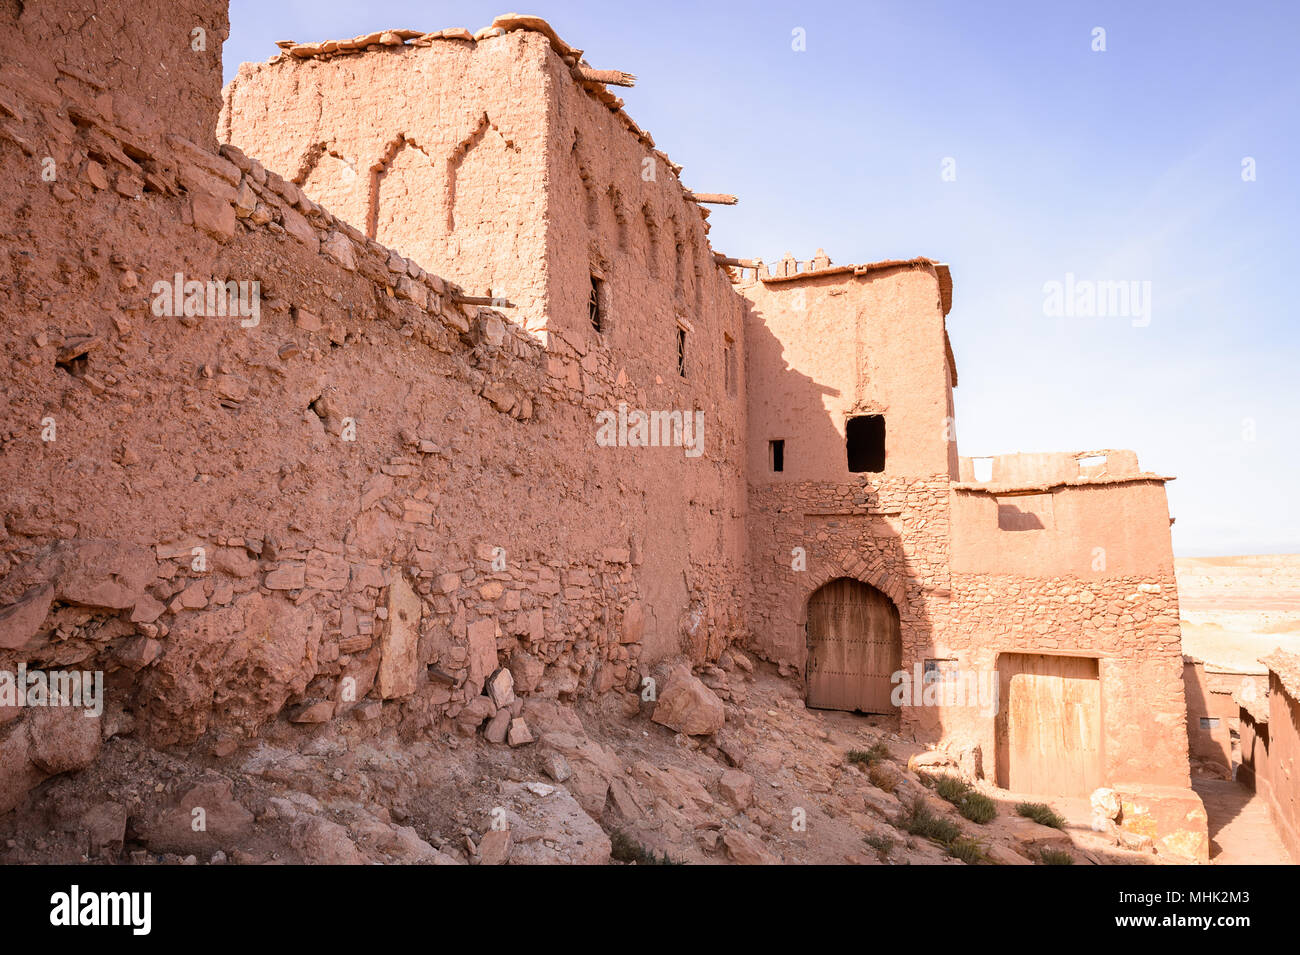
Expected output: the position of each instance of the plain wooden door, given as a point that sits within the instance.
(854, 647)
(1048, 724)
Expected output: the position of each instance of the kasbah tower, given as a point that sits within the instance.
(821, 517)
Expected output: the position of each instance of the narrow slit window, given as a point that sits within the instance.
(1209, 722)
(681, 351)
(865, 438)
(776, 454)
(595, 306)
(729, 366)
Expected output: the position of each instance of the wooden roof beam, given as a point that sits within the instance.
(717, 198)
(608, 77)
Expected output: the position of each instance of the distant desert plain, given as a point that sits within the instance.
(1238, 609)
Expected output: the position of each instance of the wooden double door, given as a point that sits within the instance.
(1048, 724)
(854, 648)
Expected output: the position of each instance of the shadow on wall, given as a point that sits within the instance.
(809, 530)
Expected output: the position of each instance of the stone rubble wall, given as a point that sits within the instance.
(1129, 623)
(893, 536)
(202, 528)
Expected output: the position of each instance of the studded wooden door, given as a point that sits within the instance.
(854, 647)
(1048, 724)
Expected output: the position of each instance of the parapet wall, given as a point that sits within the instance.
(436, 150)
(1045, 469)
(1084, 530)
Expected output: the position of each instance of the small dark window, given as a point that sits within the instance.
(939, 671)
(1209, 722)
(776, 451)
(865, 437)
(595, 308)
(681, 351)
(729, 366)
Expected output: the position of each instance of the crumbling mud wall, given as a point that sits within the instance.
(525, 171)
(437, 150)
(154, 66)
(267, 455)
(340, 491)
(1270, 743)
(617, 213)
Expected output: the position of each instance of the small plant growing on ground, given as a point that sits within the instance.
(1041, 813)
(623, 848)
(878, 753)
(975, 806)
(978, 807)
(882, 843)
(919, 820)
(967, 850)
(950, 788)
(1055, 857)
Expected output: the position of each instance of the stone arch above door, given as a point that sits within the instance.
(854, 647)
(823, 572)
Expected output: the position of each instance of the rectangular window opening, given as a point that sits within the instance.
(681, 351)
(595, 305)
(941, 670)
(776, 454)
(1209, 722)
(865, 439)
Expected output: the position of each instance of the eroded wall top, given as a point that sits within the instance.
(156, 65)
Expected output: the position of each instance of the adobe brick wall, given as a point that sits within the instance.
(1270, 744)
(1213, 693)
(568, 198)
(1096, 580)
(1128, 626)
(818, 351)
(177, 433)
(437, 151)
(135, 62)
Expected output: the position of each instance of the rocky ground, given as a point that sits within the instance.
(601, 781)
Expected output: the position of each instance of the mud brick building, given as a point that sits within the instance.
(1270, 745)
(390, 485)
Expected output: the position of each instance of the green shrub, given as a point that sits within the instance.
(882, 843)
(1055, 857)
(975, 806)
(623, 848)
(950, 787)
(967, 850)
(878, 753)
(919, 820)
(978, 807)
(1041, 813)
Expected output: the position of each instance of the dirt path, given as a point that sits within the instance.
(1241, 832)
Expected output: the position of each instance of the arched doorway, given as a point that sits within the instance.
(854, 646)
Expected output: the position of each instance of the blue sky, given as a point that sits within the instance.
(1122, 165)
